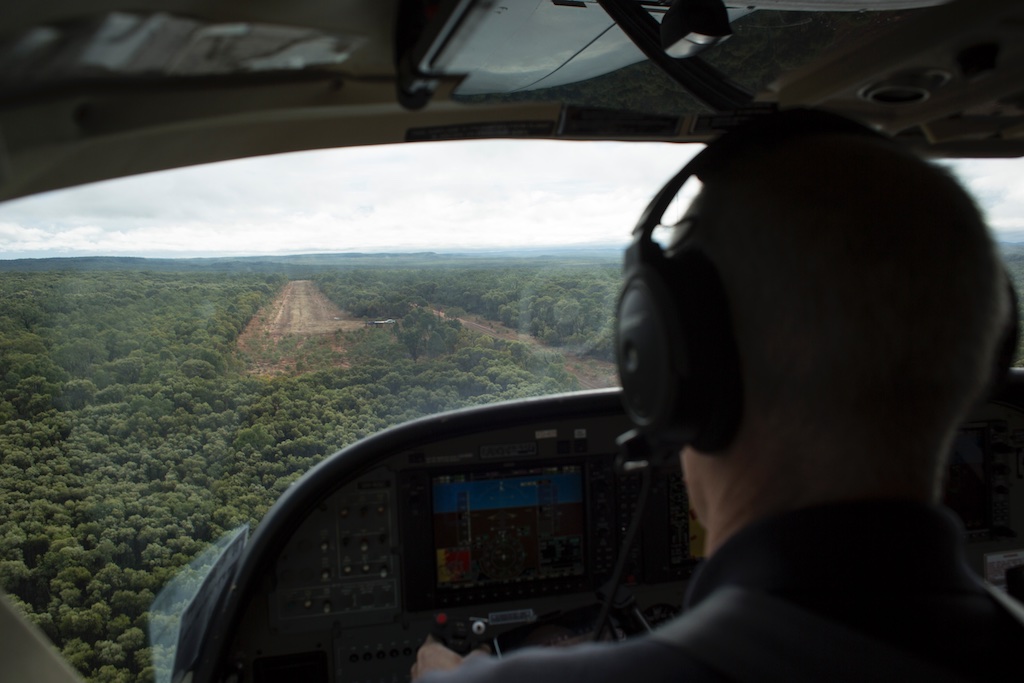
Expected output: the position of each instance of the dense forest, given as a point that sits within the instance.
(133, 430)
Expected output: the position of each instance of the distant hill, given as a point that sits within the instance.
(298, 264)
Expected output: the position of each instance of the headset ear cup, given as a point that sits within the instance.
(645, 344)
(677, 355)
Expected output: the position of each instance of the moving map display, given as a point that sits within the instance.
(503, 527)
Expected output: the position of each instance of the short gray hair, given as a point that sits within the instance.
(867, 296)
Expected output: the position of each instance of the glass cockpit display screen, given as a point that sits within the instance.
(510, 526)
(967, 482)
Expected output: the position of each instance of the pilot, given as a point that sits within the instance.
(869, 306)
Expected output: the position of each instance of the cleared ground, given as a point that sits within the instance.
(273, 341)
(591, 373)
(301, 309)
(283, 335)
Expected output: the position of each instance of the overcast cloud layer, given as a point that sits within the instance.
(436, 197)
(998, 186)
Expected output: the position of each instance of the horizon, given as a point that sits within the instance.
(1016, 238)
(523, 252)
(446, 197)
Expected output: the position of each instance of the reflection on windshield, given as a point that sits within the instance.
(764, 46)
(180, 613)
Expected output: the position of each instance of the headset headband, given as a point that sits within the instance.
(676, 349)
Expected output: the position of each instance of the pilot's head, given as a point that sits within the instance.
(867, 300)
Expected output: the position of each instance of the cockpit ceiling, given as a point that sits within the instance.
(90, 91)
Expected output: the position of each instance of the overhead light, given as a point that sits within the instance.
(692, 26)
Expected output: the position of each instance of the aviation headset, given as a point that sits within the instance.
(675, 346)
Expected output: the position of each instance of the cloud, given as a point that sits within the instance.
(424, 196)
(998, 186)
(482, 194)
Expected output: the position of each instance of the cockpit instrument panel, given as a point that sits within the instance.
(978, 478)
(501, 525)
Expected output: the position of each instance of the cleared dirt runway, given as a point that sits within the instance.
(301, 309)
(300, 312)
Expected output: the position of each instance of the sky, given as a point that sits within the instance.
(425, 197)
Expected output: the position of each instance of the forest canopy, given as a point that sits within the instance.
(134, 431)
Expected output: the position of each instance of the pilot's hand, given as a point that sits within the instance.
(434, 656)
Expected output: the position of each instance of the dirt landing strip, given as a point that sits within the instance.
(301, 309)
(299, 312)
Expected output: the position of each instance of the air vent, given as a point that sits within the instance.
(906, 88)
